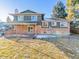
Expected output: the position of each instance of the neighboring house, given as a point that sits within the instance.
(3, 28)
(29, 24)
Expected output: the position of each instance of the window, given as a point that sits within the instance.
(44, 24)
(27, 17)
(30, 29)
(34, 18)
(63, 24)
(20, 18)
(53, 23)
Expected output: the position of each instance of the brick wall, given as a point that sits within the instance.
(62, 31)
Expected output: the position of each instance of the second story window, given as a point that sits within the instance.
(27, 17)
(34, 18)
(20, 18)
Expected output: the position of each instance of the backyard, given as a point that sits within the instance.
(55, 48)
(29, 49)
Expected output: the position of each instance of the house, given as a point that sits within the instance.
(29, 24)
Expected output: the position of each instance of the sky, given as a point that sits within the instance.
(40, 6)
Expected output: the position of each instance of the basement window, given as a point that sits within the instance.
(53, 23)
(63, 24)
(44, 24)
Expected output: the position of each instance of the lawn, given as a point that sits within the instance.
(29, 49)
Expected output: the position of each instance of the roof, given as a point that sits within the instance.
(56, 19)
(28, 11)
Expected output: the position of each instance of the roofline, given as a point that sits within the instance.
(55, 19)
(26, 14)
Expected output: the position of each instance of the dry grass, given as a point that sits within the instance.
(29, 49)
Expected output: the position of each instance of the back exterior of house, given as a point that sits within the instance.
(29, 23)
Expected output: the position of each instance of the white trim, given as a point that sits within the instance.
(33, 18)
(20, 18)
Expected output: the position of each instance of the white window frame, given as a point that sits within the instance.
(44, 22)
(27, 18)
(64, 23)
(20, 18)
(34, 18)
(53, 23)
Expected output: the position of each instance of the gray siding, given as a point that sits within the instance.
(40, 18)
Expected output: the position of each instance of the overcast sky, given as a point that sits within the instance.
(41, 6)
